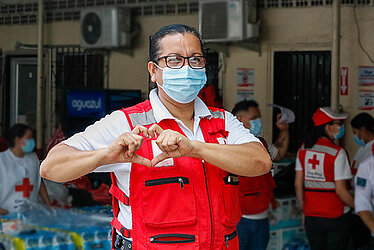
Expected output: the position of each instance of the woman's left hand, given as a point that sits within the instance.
(171, 143)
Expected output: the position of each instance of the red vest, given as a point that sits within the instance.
(190, 205)
(256, 192)
(320, 198)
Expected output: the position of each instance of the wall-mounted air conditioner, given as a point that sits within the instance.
(105, 27)
(228, 20)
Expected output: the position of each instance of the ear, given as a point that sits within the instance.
(239, 117)
(152, 70)
(328, 130)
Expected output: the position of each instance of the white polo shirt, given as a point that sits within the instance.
(104, 132)
(364, 183)
(362, 154)
(19, 180)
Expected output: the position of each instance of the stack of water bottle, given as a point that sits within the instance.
(41, 228)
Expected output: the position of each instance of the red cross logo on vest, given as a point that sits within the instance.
(314, 162)
(26, 188)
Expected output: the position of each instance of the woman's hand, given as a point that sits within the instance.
(171, 143)
(124, 147)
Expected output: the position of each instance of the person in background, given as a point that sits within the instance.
(363, 131)
(251, 117)
(4, 145)
(256, 195)
(322, 172)
(19, 171)
(364, 196)
(179, 189)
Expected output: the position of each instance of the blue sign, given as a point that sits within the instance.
(88, 103)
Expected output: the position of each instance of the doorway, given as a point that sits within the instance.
(302, 83)
(23, 81)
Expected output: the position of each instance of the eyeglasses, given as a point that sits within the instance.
(177, 62)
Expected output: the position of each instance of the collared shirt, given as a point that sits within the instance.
(19, 180)
(104, 132)
(364, 183)
(362, 154)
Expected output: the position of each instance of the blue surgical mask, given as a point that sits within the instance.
(29, 147)
(184, 84)
(359, 141)
(256, 126)
(340, 134)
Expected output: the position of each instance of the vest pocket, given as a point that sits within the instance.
(175, 240)
(254, 202)
(168, 202)
(231, 241)
(231, 213)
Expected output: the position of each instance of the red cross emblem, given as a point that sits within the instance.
(314, 162)
(26, 188)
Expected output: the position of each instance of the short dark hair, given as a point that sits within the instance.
(154, 47)
(17, 130)
(244, 106)
(363, 120)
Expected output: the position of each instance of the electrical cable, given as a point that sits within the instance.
(359, 34)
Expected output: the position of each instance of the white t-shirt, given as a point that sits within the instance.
(19, 180)
(105, 131)
(342, 170)
(362, 154)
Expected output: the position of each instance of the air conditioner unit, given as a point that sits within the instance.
(228, 20)
(105, 27)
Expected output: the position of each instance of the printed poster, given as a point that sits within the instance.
(244, 94)
(366, 75)
(245, 77)
(366, 99)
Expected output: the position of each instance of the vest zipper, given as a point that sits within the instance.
(229, 237)
(210, 208)
(258, 194)
(178, 179)
(183, 238)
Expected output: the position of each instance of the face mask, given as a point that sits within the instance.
(256, 126)
(340, 134)
(359, 141)
(29, 147)
(184, 84)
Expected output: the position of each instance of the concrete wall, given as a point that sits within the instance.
(284, 29)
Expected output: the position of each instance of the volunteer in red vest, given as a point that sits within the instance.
(363, 130)
(19, 171)
(256, 194)
(322, 173)
(174, 161)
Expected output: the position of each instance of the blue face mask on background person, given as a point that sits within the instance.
(184, 84)
(359, 141)
(256, 126)
(29, 147)
(340, 134)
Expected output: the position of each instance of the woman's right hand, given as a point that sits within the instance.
(124, 147)
(3, 211)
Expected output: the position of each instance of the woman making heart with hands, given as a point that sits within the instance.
(174, 161)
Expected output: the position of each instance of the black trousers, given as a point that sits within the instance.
(327, 233)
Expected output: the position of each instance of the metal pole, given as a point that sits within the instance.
(335, 55)
(39, 91)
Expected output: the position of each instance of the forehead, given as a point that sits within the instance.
(182, 44)
(254, 111)
(28, 133)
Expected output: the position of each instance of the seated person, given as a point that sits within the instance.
(19, 171)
